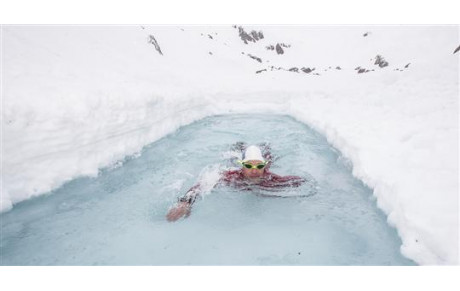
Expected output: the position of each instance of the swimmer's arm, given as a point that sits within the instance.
(184, 204)
(191, 195)
(194, 192)
(290, 180)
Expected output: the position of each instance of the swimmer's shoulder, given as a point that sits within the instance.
(231, 175)
(277, 178)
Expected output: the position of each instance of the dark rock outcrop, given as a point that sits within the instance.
(307, 70)
(257, 35)
(279, 49)
(153, 41)
(380, 61)
(457, 49)
(255, 58)
(362, 70)
(252, 36)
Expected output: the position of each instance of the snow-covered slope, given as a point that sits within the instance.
(76, 99)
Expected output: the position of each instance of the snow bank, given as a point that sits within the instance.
(76, 99)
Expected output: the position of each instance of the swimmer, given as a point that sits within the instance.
(254, 171)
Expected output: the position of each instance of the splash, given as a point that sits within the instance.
(208, 179)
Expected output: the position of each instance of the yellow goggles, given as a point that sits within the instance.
(251, 166)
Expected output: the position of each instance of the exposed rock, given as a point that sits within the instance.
(457, 49)
(366, 34)
(379, 60)
(253, 36)
(279, 49)
(257, 35)
(307, 70)
(362, 70)
(276, 68)
(153, 41)
(338, 68)
(294, 69)
(210, 36)
(260, 71)
(407, 66)
(210, 53)
(255, 58)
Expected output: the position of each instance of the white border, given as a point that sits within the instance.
(229, 12)
(230, 278)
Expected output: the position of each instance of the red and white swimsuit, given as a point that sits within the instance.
(235, 178)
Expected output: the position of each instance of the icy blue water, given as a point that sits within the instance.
(118, 218)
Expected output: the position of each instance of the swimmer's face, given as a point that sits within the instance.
(253, 173)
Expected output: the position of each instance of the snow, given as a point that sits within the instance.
(76, 99)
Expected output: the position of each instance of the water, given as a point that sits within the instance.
(118, 218)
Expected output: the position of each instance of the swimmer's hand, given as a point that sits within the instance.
(181, 209)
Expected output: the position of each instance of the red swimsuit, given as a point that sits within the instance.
(235, 178)
(268, 180)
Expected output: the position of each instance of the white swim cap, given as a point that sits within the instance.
(252, 153)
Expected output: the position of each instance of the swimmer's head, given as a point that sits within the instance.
(253, 162)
